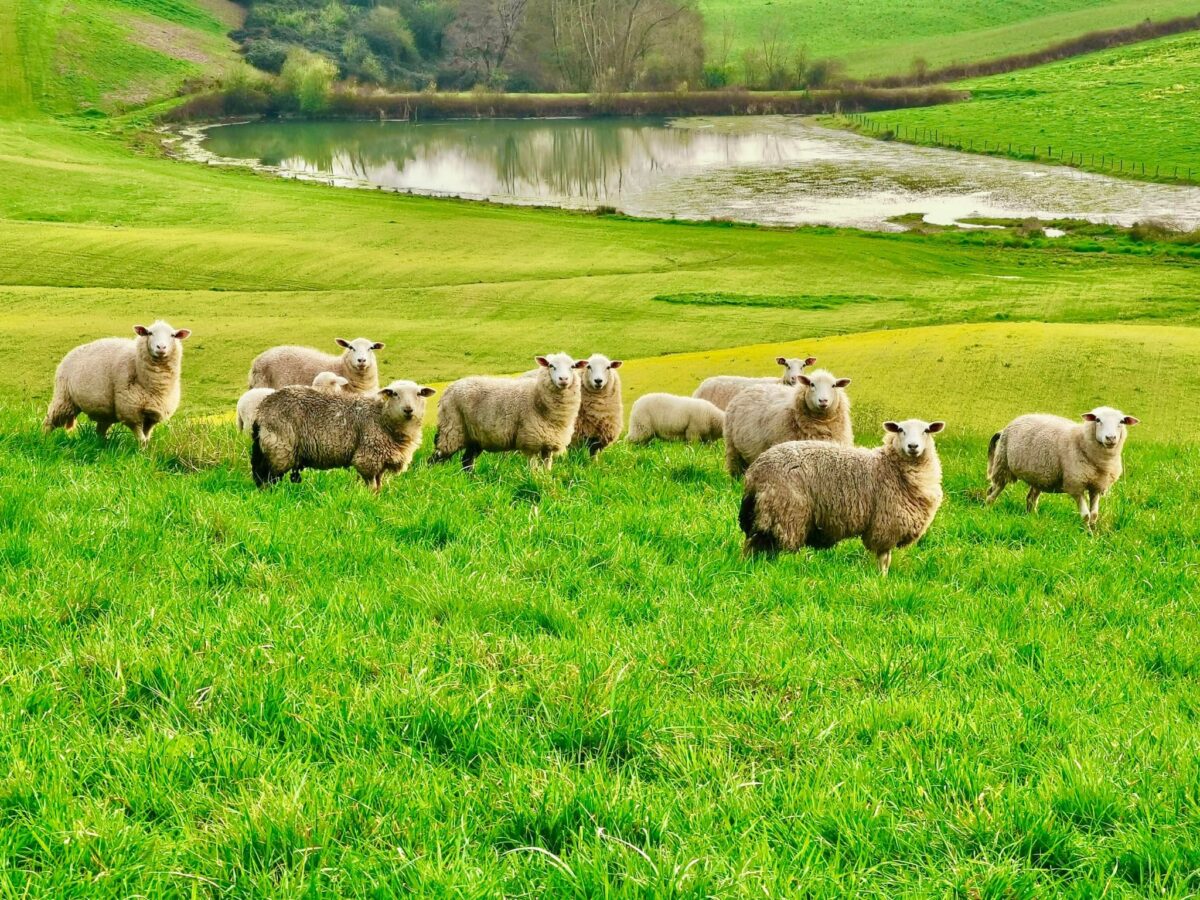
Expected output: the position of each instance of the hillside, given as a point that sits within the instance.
(107, 55)
(1126, 104)
(883, 37)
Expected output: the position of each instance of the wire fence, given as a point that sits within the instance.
(1080, 159)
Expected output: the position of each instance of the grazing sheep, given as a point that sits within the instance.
(534, 415)
(247, 404)
(284, 366)
(301, 427)
(1054, 455)
(761, 417)
(601, 412)
(134, 381)
(815, 494)
(671, 418)
(720, 389)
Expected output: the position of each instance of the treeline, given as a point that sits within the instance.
(511, 45)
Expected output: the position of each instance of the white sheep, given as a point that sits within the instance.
(288, 365)
(601, 411)
(720, 389)
(534, 416)
(134, 381)
(301, 427)
(247, 404)
(1054, 455)
(763, 416)
(672, 418)
(815, 494)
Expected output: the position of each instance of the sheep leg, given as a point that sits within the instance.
(995, 489)
(470, 454)
(884, 558)
(594, 446)
(140, 434)
(1094, 507)
(1085, 511)
(1031, 500)
(734, 464)
(102, 426)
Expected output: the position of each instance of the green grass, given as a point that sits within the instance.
(574, 685)
(103, 56)
(883, 37)
(1129, 103)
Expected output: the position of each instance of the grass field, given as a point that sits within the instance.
(574, 685)
(883, 37)
(1128, 103)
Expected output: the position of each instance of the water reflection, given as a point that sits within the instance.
(771, 169)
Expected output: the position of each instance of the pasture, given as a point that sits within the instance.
(883, 37)
(1126, 103)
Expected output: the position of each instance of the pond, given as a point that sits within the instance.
(774, 170)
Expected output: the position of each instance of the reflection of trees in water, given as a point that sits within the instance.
(590, 160)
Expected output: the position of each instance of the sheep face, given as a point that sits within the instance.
(793, 368)
(821, 390)
(330, 383)
(561, 368)
(597, 371)
(1109, 426)
(404, 401)
(359, 353)
(911, 438)
(160, 338)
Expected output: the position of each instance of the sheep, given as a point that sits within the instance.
(720, 389)
(766, 415)
(534, 415)
(815, 494)
(672, 418)
(284, 366)
(247, 404)
(1057, 456)
(301, 427)
(134, 381)
(601, 412)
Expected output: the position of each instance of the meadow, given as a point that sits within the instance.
(1126, 104)
(882, 37)
(575, 685)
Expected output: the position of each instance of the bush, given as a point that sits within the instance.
(266, 54)
(308, 78)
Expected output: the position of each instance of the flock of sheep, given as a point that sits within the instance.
(790, 438)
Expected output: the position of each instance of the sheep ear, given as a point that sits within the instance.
(542, 361)
(427, 392)
(342, 342)
(842, 382)
(141, 330)
(616, 364)
(377, 346)
(1130, 420)
(579, 364)
(183, 334)
(935, 427)
(387, 392)
(782, 360)
(808, 362)
(1089, 417)
(804, 380)
(892, 427)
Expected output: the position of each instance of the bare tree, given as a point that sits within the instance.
(482, 34)
(602, 44)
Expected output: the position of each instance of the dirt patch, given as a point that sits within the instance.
(172, 40)
(225, 11)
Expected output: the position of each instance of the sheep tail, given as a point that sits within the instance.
(756, 541)
(259, 465)
(992, 446)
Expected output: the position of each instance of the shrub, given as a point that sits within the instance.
(266, 54)
(308, 78)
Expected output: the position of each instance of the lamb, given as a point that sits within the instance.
(534, 416)
(761, 417)
(134, 381)
(247, 404)
(601, 412)
(671, 418)
(815, 494)
(720, 389)
(301, 427)
(1057, 456)
(283, 366)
